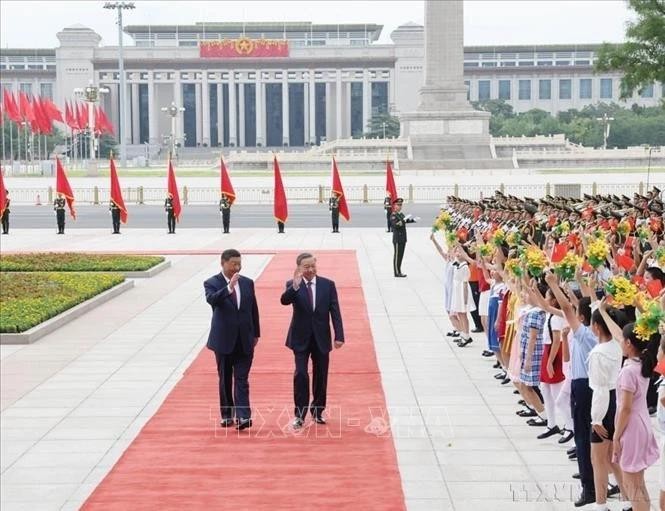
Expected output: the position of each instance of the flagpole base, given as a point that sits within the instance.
(92, 169)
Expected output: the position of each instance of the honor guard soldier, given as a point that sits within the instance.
(388, 206)
(225, 209)
(115, 217)
(5, 214)
(398, 223)
(333, 206)
(59, 207)
(170, 214)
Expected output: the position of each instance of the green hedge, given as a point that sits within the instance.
(49, 261)
(27, 299)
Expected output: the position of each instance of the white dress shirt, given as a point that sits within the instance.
(604, 366)
(236, 289)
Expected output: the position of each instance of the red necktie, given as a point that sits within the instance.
(310, 294)
(235, 297)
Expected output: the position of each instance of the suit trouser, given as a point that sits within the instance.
(226, 219)
(5, 221)
(398, 256)
(580, 402)
(280, 226)
(60, 218)
(115, 218)
(388, 212)
(335, 220)
(320, 362)
(475, 293)
(233, 371)
(170, 220)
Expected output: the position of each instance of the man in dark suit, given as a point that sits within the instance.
(398, 223)
(315, 304)
(234, 332)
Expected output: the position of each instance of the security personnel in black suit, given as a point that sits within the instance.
(388, 206)
(115, 217)
(398, 225)
(59, 207)
(225, 208)
(5, 214)
(170, 214)
(333, 206)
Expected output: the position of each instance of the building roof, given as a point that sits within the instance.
(27, 52)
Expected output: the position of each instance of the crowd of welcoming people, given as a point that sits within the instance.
(570, 294)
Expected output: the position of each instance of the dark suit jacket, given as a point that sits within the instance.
(230, 324)
(307, 323)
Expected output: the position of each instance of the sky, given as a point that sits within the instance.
(486, 22)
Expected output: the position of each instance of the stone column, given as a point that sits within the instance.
(233, 130)
(205, 110)
(259, 96)
(177, 98)
(285, 110)
(329, 112)
(197, 106)
(136, 133)
(312, 108)
(241, 114)
(153, 135)
(367, 99)
(220, 114)
(338, 105)
(443, 88)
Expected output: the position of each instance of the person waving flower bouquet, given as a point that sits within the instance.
(622, 291)
(566, 269)
(597, 252)
(535, 261)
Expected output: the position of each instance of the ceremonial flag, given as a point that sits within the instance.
(280, 208)
(52, 110)
(173, 190)
(26, 107)
(102, 121)
(116, 193)
(70, 119)
(625, 262)
(10, 106)
(391, 189)
(3, 194)
(339, 190)
(62, 186)
(82, 115)
(226, 186)
(654, 288)
(559, 252)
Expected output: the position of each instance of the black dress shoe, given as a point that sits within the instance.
(577, 476)
(499, 376)
(244, 424)
(401, 275)
(319, 420)
(505, 381)
(612, 490)
(486, 353)
(537, 422)
(526, 413)
(585, 498)
(478, 330)
(297, 423)
(550, 432)
(496, 365)
(521, 402)
(567, 436)
(454, 333)
(226, 423)
(516, 391)
(571, 451)
(465, 342)
(572, 457)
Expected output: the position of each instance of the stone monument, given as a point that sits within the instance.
(445, 131)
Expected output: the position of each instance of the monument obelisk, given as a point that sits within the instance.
(445, 131)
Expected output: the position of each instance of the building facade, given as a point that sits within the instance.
(291, 84)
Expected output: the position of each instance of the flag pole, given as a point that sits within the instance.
(11, 142)
(4, 151)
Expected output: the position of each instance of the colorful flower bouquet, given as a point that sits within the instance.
(499, 237)
(567, 267)
(643, 233)
(622, 290)
(597, 252)
(485, 250)
(648, 322)
(442, 222)
(514, 238)
(659, 255)
(450, 237)
(535, 261)
(623, 228)
(514, 267)
(562, 229)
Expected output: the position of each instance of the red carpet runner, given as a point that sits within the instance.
(183, 460)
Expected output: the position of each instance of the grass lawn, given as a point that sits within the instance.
(27, 299)
(68, 262)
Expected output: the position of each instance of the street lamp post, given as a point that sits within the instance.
(120, 6)
(91, 95)
(384, 129)
(173, 110)
(648, 148)
(605, 119)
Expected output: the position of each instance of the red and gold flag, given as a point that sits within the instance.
(116, 192)
(226, 186)
(339, 190)
(62, 186)
(3, 194)
(391, 189)
(173, 190)
(280, 209)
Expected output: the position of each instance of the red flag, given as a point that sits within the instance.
(559, 252)
(26, 107)
(654, 288)
(3, 194)
(227, 187)
(339, 190)
(107, 123)
(82, 115)
(52, 110)
(70, 117)
(62, 186)
(41, 123)
(116, 193)
(173, 190)
(280, 208)
(102, 124)
(391, 189)
(625, 262)
(10, 106)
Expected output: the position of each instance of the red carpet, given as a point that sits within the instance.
(183, 460)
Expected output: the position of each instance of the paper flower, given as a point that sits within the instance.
(441, 222)
(450, 237)
(562, 229)
(499, 237)
(567, 267)
(643, 233)
(514, 238)
(623, 228)
(535, 261)
(597, 252)
(649, 321)
(485, 250)
(622, 290)
(514, 267)
(659, 255)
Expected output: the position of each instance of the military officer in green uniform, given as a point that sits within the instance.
(388, 206)
(59, 207)
(5, 214)
(398, 223)
(333, 206)
(115, 217)
(170, 214)
(225, 209)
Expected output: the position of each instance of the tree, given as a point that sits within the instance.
(375, 128)
(642, 57)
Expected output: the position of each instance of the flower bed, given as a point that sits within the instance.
(66, 262)
(28, 299)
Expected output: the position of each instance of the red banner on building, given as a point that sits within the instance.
(244, 47)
